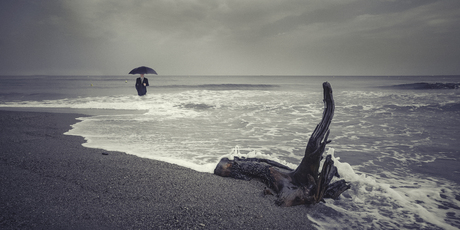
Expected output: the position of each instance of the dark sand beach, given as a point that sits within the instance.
(50, 181)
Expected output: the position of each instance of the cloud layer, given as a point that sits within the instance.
(230, 37)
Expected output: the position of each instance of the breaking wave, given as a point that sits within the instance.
(221, 86)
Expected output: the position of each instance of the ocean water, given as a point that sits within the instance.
(395, 139)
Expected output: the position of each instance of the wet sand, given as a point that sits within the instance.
(50, 181)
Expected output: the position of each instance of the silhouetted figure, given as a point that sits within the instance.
(141, 85)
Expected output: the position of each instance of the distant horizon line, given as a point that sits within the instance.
(241, 75)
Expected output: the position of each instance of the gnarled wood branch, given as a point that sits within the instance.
(304, 185)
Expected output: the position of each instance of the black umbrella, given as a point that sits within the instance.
(142, 70)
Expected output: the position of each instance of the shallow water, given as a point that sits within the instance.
(397, 144)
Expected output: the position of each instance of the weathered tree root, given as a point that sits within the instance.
(304, 185)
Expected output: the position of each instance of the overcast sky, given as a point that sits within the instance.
(230, 37)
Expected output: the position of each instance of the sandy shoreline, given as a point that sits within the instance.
(50, 181)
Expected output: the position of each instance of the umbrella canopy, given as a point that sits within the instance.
(142, 70)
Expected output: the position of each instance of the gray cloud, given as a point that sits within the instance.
(327, 37)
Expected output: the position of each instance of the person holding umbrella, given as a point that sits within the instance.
(142, 82)
(141, 85)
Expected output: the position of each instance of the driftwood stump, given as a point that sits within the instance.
(304, 185)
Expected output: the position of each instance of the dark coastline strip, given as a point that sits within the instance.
(425, 85)
(50, 181)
